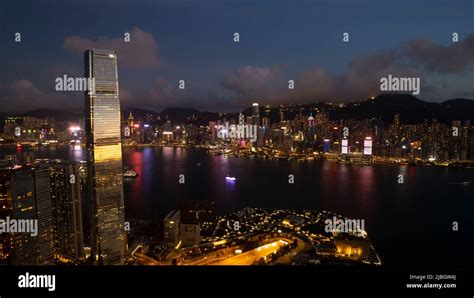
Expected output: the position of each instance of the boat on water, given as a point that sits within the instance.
(229, 178)
(129, 174)
(465, 183)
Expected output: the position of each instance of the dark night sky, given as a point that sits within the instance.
(193, 41)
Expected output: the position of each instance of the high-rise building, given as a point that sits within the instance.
(470, 140)
(44, 214)
(24, 250)
(310, 134)
(255, 115)
(190, 233)
(368, 146)
(9, 128)
(31, 200)
(344, 146)
(66, 198)
(5, 211)
(129, 129)
(241, 119)
(130, 120)
(104, 158)
(171, 225)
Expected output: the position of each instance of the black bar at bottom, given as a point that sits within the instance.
(221, 281)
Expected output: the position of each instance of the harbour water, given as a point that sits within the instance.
(409, 223)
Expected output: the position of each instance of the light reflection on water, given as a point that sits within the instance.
(399, 217)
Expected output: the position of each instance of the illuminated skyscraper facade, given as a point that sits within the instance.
(66, 199)
(255, 114)
(31, 200)
(104, 157)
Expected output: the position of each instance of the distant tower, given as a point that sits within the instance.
(241, 119)
(311, 121)
(130, 120)
(255, 114)
(310, 133)
(130, 129)
(397, 120)
(282, 116)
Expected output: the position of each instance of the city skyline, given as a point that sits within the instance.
(326, 145)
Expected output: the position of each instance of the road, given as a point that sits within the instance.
(145, 260)
(252, 256)
(227, 256)
(302, 246)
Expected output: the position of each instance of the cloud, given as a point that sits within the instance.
(164, 93)
(446, 72)
(419, 58)
(141, 52)
(21, 95)
(255, 81)
(437, 58)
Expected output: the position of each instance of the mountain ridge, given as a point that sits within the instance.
(384, 106)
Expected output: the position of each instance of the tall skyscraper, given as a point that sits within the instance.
(241, 119)
(255, 115)
(66, 198)
(5, 210)
(31, 200)
(104, 158)
(309, 138)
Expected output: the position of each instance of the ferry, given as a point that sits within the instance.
(465, 183)
(441, 164)
(129, 174)
(229, 178)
